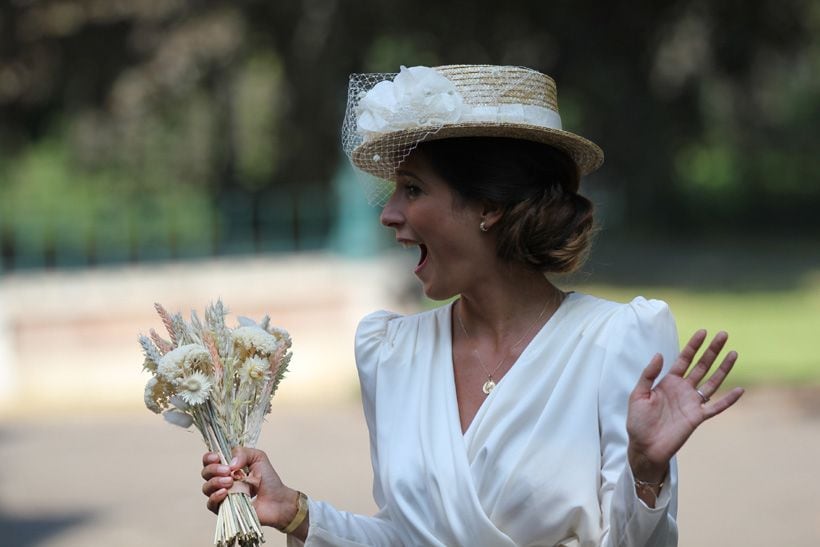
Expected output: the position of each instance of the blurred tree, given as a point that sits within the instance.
(708, 110)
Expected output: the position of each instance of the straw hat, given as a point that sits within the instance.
(388, 115)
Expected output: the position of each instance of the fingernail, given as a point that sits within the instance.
(234, 461)
(223, 469)
(226, 481)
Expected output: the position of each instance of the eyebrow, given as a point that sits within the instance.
(406, 173)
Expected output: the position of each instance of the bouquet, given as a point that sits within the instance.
(221, 380)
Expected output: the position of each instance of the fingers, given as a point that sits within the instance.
(688, 353)
(706, 360)
(716, 379)
(214, 485)
(210, 457)
(713, 384)
(216, 499)
(716, 407)
(212, 466)
(220, 478)
(701, 369)
(648, 376)
(215, 470)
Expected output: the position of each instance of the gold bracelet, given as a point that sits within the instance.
(301, 513)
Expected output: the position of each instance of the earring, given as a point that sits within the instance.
(483, 226)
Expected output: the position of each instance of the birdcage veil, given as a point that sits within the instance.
(389, 114)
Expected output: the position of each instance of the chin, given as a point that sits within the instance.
(437, 293)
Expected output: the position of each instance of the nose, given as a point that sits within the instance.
(392, 216)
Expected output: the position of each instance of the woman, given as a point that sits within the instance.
(518, 414)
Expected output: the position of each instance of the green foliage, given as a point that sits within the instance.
(56, 206)
(388, 52)
(709, 167)
(258, 103)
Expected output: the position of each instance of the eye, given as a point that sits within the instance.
(411, 191)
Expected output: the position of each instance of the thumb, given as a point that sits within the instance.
(247, 457)
(648, 377)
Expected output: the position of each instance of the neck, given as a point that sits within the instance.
(506, 303)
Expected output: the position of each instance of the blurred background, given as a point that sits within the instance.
(179, 151)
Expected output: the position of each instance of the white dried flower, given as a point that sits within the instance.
(184, 359)
(157, 393)
(194, 388)
(255, 369)
(178, 418)
(150, 365)
(250, 340)
(281, 335)
(150, 402)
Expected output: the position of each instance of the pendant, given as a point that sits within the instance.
(488, 386)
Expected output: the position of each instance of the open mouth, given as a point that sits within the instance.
(422, 257)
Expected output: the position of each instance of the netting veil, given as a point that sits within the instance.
(389, 114)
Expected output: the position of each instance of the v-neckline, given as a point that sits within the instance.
(452, 371)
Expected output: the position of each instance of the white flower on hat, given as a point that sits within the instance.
(418, 96)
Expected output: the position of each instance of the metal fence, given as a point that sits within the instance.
(236, 222)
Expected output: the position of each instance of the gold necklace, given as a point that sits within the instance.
(489, 385)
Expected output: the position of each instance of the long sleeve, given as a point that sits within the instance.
(642, 329)
(330, 527)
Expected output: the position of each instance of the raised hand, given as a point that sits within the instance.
(661, 419)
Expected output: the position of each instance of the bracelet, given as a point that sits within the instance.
(643, 484)
(653, 487)
(301, 513)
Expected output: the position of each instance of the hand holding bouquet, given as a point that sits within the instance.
(221, 380)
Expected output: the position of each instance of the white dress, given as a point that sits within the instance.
(543, 462)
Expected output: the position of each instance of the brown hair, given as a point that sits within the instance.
(545, 223)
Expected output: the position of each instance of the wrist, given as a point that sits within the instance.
(293, 513)
(644, 470)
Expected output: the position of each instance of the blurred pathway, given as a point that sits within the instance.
(748, 479)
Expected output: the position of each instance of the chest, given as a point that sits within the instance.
(475, 375)
(532, 445)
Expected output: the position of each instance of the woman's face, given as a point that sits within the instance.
(425, 212)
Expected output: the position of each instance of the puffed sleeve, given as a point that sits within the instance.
(638, 331)
(330, 527)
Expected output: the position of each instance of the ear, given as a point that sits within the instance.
(490, 214)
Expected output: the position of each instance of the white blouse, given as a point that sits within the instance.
(543, 462)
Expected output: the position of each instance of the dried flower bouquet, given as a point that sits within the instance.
(221, 380)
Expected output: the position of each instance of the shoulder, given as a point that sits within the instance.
(628, 334)
(380, 331)
(606, 317)
(373, 327)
